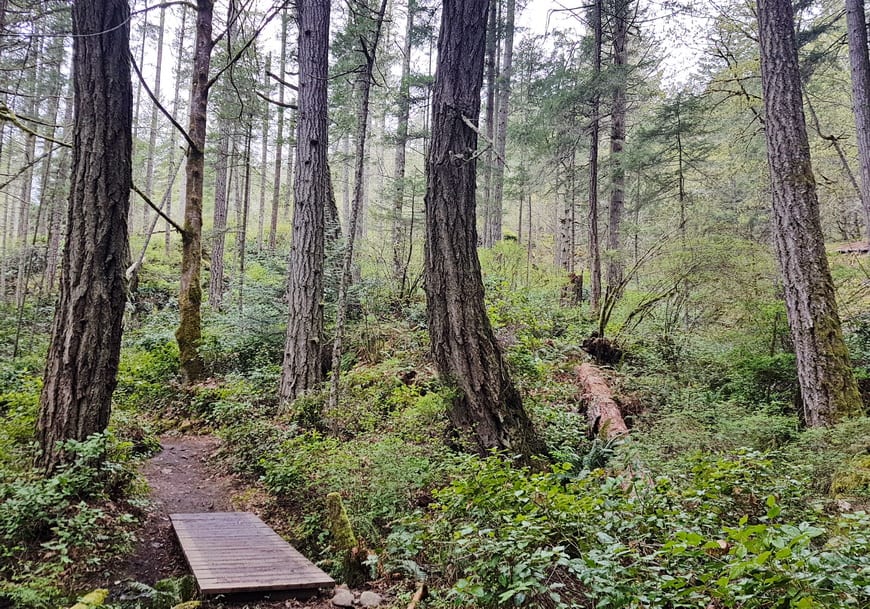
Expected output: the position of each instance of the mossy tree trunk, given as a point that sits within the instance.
(189, 332)
(828, 387)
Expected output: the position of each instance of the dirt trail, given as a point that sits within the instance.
(181, 480)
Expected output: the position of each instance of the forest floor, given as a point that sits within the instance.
(183, 478)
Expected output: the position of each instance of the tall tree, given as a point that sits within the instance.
(152, 132)
(594, 131)
(403, 114)
(828, 387)
(189, 330)
(279, 144)
(620, 21)
(859, 63)
(82, 362)
(368, 50)
(487, 403)
(301, 368)
(219, 221)
(496, 208)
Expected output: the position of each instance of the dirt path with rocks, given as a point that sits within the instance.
(182, 478)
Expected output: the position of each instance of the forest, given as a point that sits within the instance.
(476, 303)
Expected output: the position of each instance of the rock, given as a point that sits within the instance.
(370, 599)
(343, 598)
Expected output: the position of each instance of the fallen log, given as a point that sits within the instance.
(602, 412)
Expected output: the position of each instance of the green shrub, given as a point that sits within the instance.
(60, 526)
(732, 531)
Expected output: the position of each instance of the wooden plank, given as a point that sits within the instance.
(236, 552)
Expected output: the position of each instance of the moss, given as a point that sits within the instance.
(854, 478)
(339, 524)
(346, 544)
(92, 599)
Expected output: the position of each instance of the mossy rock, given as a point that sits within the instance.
(189, 605)
(92, 599)
(853, 478)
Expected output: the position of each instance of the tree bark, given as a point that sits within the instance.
(828, 387)
(301, 369)
(486, 405)
(602, 412)
(859, 63)
(189, 330)
(82, 362)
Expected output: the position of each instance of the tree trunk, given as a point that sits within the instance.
(496, 210)
(219, 223)
(602, 412)
(301, 369)
(362, 117)
(82, 362)
(279, 145)
(828, 388)
(594, 129)
(264, 155)
(404, 103)
(487, 404)
(859, 62)
(189, 330)
(617, 142)
(489, 119)
(242, 232)
(57, 207)
(141, 63)
(176, 103)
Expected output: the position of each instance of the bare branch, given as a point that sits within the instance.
(151, 204)
(160, 107)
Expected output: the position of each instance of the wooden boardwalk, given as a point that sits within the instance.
(236, 552)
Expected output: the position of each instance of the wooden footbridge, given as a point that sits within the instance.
(237, 553)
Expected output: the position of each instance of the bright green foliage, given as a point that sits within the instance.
(730, 530)
(61, 525)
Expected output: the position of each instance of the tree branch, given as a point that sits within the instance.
(151, 204)
(246, 46)
(164, 5)
(281, 81)
(277, 103)
(9, 116)
(160, 107)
